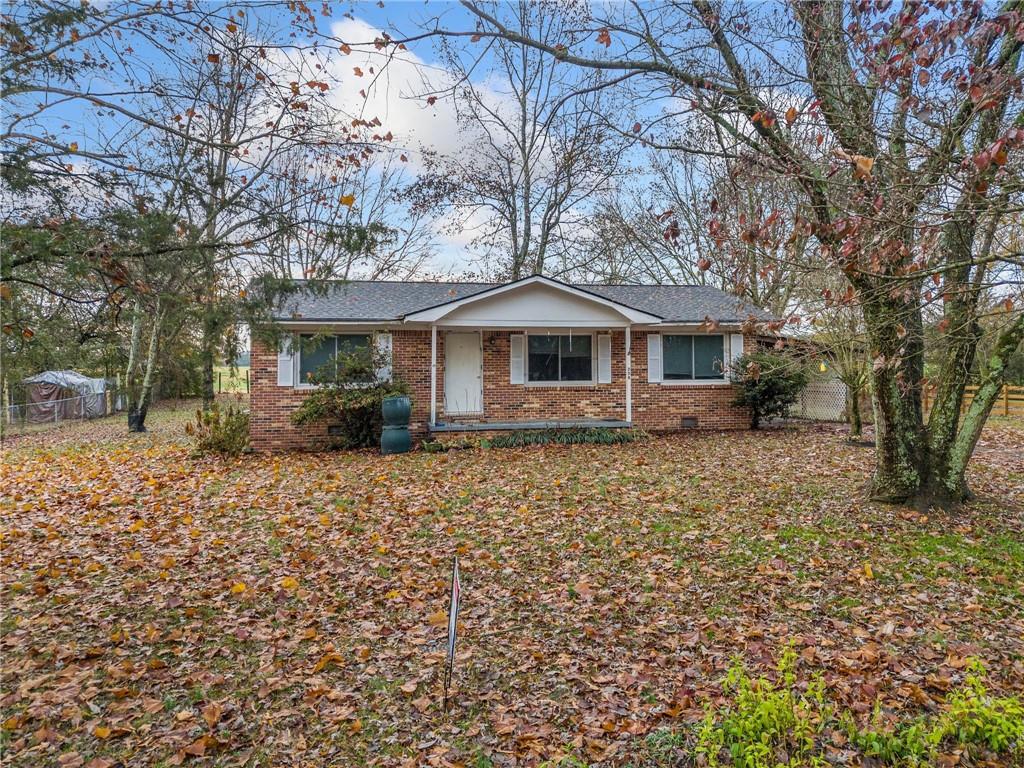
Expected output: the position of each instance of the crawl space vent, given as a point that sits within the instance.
(334, 429)
(689, 422)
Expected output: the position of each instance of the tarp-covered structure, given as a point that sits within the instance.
(60, 395)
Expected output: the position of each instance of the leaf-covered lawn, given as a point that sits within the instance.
(160, 609)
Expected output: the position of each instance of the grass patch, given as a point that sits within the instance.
(974, 722)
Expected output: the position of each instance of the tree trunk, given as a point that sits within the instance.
(207, 356)
(856, 423)
(948, 481)
(137, 418)
(211, 320)
(130, 383)
(901, 456)
(139, 406)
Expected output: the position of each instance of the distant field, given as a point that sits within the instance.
(227, 380)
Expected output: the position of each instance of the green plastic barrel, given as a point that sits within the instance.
(396, 410)
(394, 437)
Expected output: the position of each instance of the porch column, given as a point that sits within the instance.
(629, 376)
(433, 375)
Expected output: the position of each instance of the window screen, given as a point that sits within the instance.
(677, 352)
(707, 357)
(543, 358)
(576, 356)
(317, 355)
(560, 358)
(692, 357)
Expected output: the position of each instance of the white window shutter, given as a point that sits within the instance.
(653, 357)
(517, 358)
(604, 358)
(286, 363)
(383, 343)
(735, 348)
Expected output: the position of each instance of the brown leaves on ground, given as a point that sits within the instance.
(285, 610)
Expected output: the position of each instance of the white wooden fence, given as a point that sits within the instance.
(821, 400)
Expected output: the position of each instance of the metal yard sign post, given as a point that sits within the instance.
(453, 623)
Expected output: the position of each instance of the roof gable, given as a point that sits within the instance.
(534, 300)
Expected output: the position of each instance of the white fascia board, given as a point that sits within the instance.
(434, 314)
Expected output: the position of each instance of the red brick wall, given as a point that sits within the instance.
(662, 406)
(655, 406)
(504, 401)
(270, 426)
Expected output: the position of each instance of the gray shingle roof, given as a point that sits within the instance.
(368, 300)
(682, 303)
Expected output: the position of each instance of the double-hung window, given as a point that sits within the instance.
(693, 358)
(317, 354)
(560, 359)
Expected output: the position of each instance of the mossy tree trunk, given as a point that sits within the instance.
(948, 478)
(895, 335)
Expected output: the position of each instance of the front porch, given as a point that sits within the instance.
(486, 379)
(530, 355)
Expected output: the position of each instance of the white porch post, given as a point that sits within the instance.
(433, 375)
(629, 376)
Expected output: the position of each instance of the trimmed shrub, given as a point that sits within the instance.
(769, 383)
(225, 433)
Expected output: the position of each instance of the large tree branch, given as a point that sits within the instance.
(845, 103)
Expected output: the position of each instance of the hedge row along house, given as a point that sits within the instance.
(529, 354)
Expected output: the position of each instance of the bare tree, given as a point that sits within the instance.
(659, 230)
(536, 148)
(350, 222)
(246, 114)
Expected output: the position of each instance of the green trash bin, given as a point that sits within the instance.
(394, 437)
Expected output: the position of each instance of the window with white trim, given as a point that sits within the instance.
(318, 353)
(560, 359)
(693, 357)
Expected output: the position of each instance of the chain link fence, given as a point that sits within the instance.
(25, 418)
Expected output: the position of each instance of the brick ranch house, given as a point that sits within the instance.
(528, 354)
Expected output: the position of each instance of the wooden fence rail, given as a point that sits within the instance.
(1010, 401)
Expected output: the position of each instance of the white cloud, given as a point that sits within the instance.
(395, 93)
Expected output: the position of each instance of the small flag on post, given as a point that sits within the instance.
(453, 624)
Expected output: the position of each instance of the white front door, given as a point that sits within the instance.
(463, 374)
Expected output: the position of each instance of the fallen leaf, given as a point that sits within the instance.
(212, 713)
